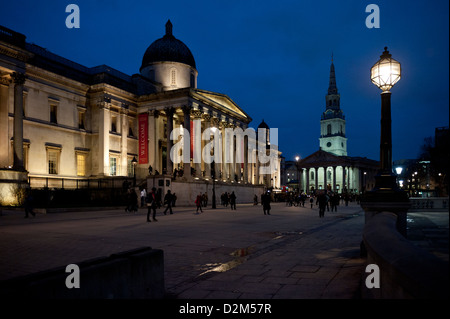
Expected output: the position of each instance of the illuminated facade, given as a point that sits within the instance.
(61, 121)
(330, 168)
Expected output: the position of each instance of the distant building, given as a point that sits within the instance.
(330, 168)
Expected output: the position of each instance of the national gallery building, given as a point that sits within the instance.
(64, 123)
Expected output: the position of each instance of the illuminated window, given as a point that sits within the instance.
(53, 160)
(130, 166)
(113, 168)
(81, 164)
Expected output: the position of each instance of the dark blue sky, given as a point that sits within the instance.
(273, 58)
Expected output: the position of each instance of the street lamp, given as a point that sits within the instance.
(386, 195)
(297, 158)
(134, 162)
(384, 74)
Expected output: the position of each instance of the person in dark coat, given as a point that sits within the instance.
(265, 202)
(168, 200)
(198, 203)
(233, 201)
(151, 204)
(28, 205)
(322, 201)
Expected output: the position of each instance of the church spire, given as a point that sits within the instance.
(332, 88)
(168, 28)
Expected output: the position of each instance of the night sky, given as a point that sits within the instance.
(273, 58)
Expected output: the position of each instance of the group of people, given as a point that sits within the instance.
(153, 203)
(228, 198)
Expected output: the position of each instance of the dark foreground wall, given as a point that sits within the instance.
(131, 274)
(406, 271)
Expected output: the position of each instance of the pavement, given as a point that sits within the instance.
(218, 254)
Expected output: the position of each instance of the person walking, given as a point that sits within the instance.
(232, 201)
(151, 204)
(322, 201)
(143, 196)
(198, 202)
(311, 201)
(168, 201)
(28, 205)
(265, 202)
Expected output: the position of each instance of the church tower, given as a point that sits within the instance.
(332, 124)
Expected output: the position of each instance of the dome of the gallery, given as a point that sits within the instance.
(168, 48)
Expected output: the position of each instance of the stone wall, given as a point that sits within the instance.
(406, 271)
(131, 274)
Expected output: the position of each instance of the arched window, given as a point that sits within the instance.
(312, 175)
(329, 129)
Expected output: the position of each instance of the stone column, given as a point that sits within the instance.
(343, 179)
(225, 172)
(169, 113)
(245, 158)
(187, 125)
(334, 178)
(316, 178)
(207, 124)
(124, 139)
(307, 180)
(19, 80)
(197, 143)
(325, 177)
(232, 150)
(103, 137)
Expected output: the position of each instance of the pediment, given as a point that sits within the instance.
(222, 102)
(320, 158)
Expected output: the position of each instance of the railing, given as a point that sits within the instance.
(428, 203)
(78, 183)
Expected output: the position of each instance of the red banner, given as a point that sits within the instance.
(143, 138)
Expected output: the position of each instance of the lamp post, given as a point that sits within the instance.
(386, 195)
(385, 74)
(297, 158)
(213, 176)
(134, 162)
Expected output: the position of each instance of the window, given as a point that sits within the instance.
(312, 175)
(53, 113)
(329, 129)
(114, 124)
(130, 166)
(53, 161)
(81, 164)
(112, 166)
(130, 128)
(81, 120)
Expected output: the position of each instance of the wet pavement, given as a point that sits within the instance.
(219, 254)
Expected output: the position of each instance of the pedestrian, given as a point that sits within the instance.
(131, 201)
(174, 199)
(198, 203)
(143, 196)
(255, 200)
(311, 201)
(28, 204)
(233, 201)
(151, 204)
(322, 201)
(205, 199)
(168, 202)
(265, 202)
